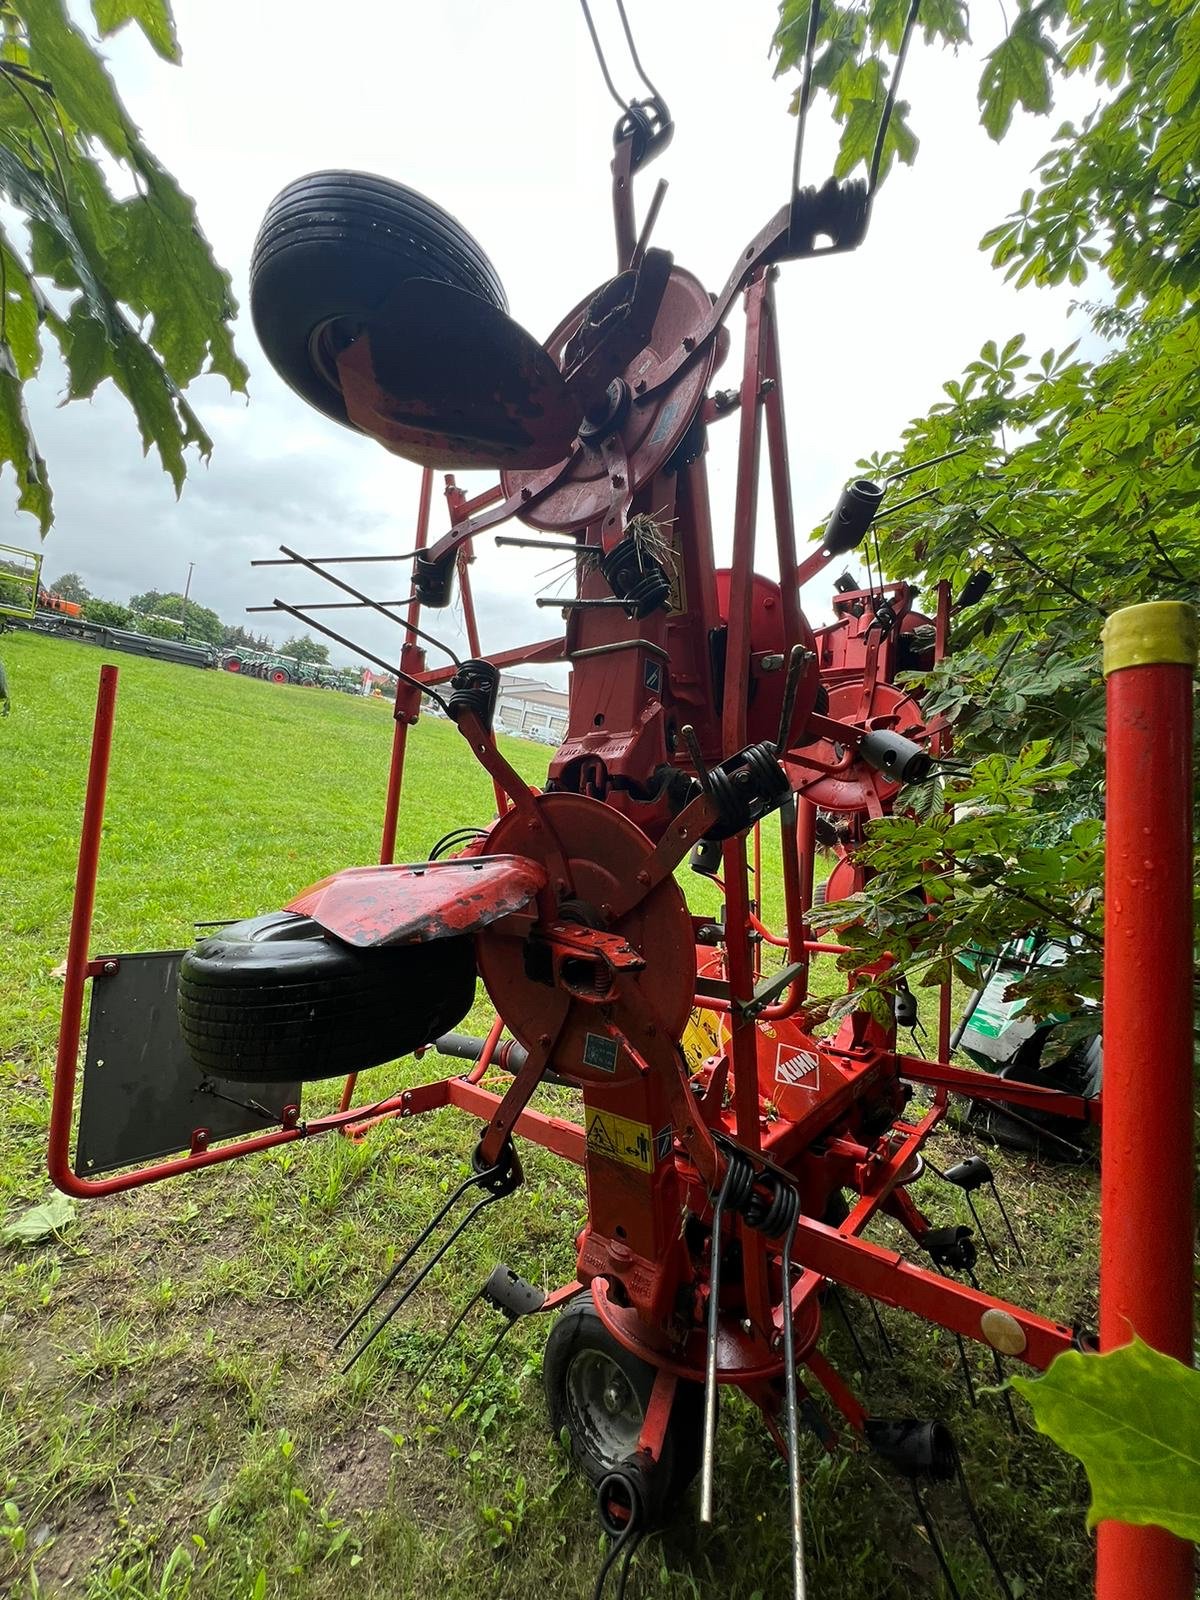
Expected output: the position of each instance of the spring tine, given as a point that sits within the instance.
(839, 1301)
(419, 1279)
(799, 1583)
(710, 1354)
(1012, 1232)
(934, 1541)
(998, 1364)
(982, 1230)
(980, 1530)
(400, 1265)
(451, 1331)
(479, 1366)
(966, 1370)
(688, 735)
(796, 664)
(888, 1347)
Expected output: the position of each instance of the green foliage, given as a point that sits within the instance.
(202, 623)
(1077, 484)
(127, 286)
(306, 649)
(109, 614)
(71, 587)
(40, 1221)
(1132, 1416)
(239, 638)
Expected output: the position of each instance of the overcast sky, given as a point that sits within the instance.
(496, 109)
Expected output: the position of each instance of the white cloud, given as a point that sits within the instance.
(497, 111)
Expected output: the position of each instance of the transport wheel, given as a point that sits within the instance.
(280, 675)
(233, 664)
(598, 1391)
(277, 999)
(332, 247)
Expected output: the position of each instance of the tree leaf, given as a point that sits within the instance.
(17, 446)
(152, 16)
(1016, 73)
(1132, 1416)
(61, 53)
(20, 312)
(39, 1222)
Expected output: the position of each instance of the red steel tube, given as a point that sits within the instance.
(62, 1105)
(391, 804)
(391, 809)
(1147, 1220)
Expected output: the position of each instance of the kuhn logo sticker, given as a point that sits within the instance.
(799, 1069)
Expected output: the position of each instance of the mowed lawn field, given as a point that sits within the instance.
(173, 1424)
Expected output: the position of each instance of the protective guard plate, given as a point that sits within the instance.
(143, 1096)
(430, 900)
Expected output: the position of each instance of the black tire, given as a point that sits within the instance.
(581, 1358)
(276, 999)
(331, 248)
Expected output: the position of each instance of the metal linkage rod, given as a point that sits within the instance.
(329, 561)
(375, 605)
(791, 1417)
(386, 666)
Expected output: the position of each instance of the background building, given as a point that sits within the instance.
(532, 709)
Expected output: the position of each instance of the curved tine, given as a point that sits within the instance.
(638, 67)
(478, 1367)
(1012, 1232)
(980, 1530)
(467, 1183)
(890, 102)
(587, 17)
(934, 1541)
(814, 18)
(450, 1332)
(710, 1358)
(419, 1279)
(799, 1582)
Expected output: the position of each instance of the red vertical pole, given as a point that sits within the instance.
(940, 744)
(391, 810)
(411, 660)
(1146, 1181)
(66, 1065)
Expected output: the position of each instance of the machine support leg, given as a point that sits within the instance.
(1146, 1204)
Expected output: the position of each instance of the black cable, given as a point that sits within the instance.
(889, 103)
(627, 1540)
(456, 836)
(630, 1551)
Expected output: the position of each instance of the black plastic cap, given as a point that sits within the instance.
(852, 516)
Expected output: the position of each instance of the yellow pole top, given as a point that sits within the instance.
(1161, 632)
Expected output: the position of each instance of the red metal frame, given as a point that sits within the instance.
(619, 973)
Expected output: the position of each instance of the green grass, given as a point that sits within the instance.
(173, 1425)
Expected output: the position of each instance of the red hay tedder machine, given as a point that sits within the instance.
(725, 1195)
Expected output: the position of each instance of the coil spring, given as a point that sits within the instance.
(473, 688)
(745, 788)
(774, 1215)
(637, 577)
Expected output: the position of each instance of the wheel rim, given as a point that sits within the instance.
(603, 1405)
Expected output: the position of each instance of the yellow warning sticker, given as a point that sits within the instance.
(701, 1037)
(620, 1140)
